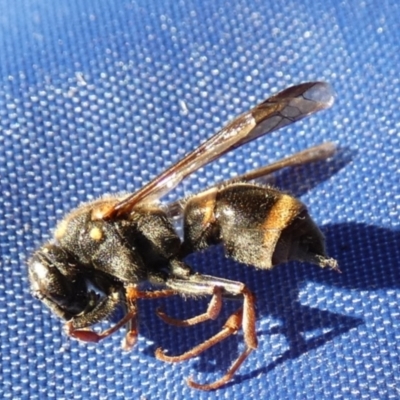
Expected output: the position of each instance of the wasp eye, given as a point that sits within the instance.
(53, 277)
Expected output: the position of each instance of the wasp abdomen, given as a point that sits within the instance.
(258, 225)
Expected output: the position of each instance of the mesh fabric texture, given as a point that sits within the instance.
(99, 97)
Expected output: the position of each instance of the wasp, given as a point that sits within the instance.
(105, 252)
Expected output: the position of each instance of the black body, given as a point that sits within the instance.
(79, 273)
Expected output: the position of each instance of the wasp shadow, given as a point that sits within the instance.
(364, 253)
(185, 339)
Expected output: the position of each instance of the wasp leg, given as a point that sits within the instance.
(244, 318)
(225, 379)
(77, 326)
(213, 310)
(231, 327)
(132, 331)
(135, 294)
(132, 295)
(182, 273)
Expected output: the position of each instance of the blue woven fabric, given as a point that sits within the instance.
(100, 96)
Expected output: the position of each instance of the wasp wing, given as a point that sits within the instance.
(282, 109)
(313, 154)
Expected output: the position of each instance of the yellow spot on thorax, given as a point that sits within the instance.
(96, 233)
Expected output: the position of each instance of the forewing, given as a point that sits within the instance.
(284, 108)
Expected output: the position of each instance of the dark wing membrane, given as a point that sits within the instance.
(284, 108)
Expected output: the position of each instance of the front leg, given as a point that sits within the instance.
(78, 326)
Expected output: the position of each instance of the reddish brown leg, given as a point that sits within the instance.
(131, 335)
(231, 326)
(213, 310)
(88, 335)
(74, 328)
(250, 338)
(226, 378)
(244, 318)
(132, 331)
(134, 293)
